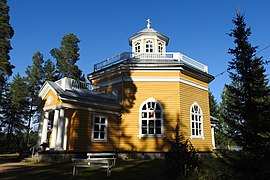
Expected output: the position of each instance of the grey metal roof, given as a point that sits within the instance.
(84, 96)
(149, 30)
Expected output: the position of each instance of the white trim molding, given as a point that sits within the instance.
(154, 79)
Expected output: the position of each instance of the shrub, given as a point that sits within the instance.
(182, 158)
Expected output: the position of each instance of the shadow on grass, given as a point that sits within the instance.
(133, 169)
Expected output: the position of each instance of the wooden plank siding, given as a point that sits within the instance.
(189, 95)
(80, 133)
(135, 94)
(176, 99)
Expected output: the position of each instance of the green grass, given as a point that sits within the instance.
(213, 167)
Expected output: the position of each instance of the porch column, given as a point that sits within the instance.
(54, 128)
(60, 130)
(40, 128)
(44, 127)
(213, 136)
(65, 134)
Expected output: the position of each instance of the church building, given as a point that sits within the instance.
(135, 101)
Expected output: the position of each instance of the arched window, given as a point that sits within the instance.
(196, 118)
(160, 47)
(151, 119)
(138, 47)
(149, 46)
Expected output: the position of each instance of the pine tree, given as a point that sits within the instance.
(214, 108)
(66, 56)
(50, 73)
(6, 33)
(34, 80)
(15, 111)
(247, 102)
(182, 158)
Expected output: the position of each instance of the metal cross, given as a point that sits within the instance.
(148, 23)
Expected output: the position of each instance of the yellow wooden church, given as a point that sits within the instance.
(135, 101)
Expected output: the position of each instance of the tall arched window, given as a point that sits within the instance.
(149, 46)
(160, 47)
(138, 47)
(151, 119)
(196, 119)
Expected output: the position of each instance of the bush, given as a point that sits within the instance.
(132, 153)
(182, 158)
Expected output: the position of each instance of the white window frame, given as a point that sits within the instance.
(198, 125)
(137, 47)
(148, 110)
(160, 47)
(105, 129)
(149, 45)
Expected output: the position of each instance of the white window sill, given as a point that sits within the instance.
(151, 136)
(197, 137)
(99, 140)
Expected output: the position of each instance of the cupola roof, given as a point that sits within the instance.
(149, 32)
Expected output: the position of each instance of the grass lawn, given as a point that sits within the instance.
(12, 168)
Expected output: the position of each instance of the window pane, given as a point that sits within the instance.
(151, 130)
(193, 131)
(158, 123)
(96, 135)
(144, 130)
(192, 125)
(103, 120)
(144, 107)
(158, 115)
(158, 130)
(144, 115)
(151, 114)
(102, 135)
(144, 123)
(102, 128)
(97, 120)
(96, 128)
(157, 107)
(151, 123)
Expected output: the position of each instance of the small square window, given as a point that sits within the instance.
(99, 129)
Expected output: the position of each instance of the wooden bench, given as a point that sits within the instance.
(102, 160)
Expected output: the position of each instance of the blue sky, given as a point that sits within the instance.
(196, 28)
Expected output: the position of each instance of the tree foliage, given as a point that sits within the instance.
(66, 56)
(6, 33)
(14, 110)
(50, 73)
(247, 102)
(182, 158)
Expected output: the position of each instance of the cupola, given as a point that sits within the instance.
(148, 40)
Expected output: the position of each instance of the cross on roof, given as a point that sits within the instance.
(148, 23)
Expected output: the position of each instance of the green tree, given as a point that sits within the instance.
(6, 33)
(34, 80)
(247, 103)
(66, 56)
(50, 73)
(182, 158)
(16, 108)
(214, 108)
